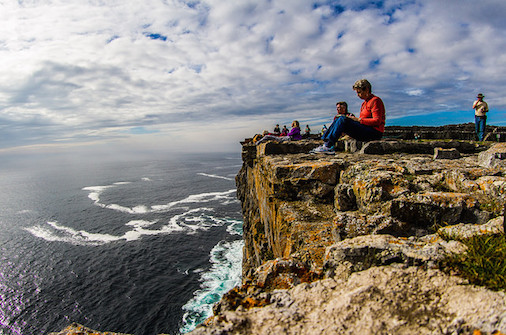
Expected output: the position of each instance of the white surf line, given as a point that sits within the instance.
(96, 191)
(214, 176)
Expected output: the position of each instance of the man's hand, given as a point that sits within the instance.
(354, 118)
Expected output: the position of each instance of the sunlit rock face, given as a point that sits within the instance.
(296, 204)
(348, 243)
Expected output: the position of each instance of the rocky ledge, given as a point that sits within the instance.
(351, 243)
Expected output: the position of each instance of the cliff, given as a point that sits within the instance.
(352, 242)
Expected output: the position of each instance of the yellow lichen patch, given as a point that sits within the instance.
(449, 199)
(434, 239)
(250, 302)
(396, 241)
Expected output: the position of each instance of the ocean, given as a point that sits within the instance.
(139, 246)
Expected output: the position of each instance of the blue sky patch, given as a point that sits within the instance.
(196, 67)
(155, 36)
(374, 63)
(141, 131)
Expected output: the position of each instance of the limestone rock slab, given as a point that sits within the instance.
(495, 156)
(380, 300)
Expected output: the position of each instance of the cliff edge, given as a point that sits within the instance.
(353, 242)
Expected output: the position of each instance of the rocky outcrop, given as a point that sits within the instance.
(295, 205)
(77, 329)
(494, 157)
(463, 132)
(351, 242)
(380, 300)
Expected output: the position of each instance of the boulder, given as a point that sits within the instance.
(440, 153)
(493, 157)
(437, 209)
(362, 252)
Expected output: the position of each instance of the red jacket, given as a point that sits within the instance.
(372, 113)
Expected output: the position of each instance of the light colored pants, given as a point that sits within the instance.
(275, 138)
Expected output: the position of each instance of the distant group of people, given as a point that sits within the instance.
(283, 135)
(369, 126)
(285, 132)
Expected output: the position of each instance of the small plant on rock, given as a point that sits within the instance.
(484, 263)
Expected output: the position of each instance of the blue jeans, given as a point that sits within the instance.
(480, 122)
(352, 128)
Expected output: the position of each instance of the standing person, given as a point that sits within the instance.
(480, 117)
(307, 132)
(368, 127)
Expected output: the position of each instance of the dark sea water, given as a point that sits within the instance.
(139, 246)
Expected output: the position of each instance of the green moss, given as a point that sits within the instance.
(440, 186)
(484, 263)
(492, 205)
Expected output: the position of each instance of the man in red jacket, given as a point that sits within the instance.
(369, 126)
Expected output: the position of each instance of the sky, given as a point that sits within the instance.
(174, 75)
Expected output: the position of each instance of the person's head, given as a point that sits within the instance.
(342, 107)
(480, 96)
(295, 123)
(363, 88)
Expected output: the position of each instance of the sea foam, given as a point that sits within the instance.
(95, 192)
(188, 222)
(214, 176)
(224, 274)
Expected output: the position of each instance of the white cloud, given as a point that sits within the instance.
(91, 70)
(414, 92)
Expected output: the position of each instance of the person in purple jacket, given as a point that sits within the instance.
(293, 135)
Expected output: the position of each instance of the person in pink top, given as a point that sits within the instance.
(369, 126)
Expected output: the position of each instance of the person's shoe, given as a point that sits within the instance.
(322, 149)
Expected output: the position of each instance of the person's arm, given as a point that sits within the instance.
(474, 104)
(377, 114)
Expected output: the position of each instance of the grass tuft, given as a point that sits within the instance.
(484, 263)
